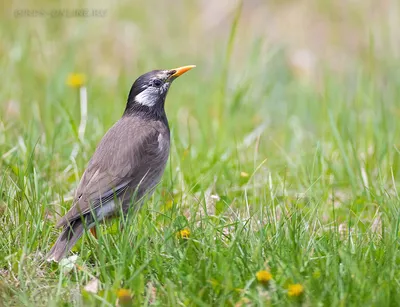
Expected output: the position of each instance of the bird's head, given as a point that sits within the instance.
(148, 92)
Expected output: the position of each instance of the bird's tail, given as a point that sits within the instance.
(67, 239)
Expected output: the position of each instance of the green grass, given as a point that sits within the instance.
(269, 169)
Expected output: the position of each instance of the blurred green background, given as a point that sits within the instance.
(287, 131)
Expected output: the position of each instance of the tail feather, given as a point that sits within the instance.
(67, 239)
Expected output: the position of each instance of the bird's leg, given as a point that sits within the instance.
(93, 232)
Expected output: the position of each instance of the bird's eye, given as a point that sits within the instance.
(157, 82)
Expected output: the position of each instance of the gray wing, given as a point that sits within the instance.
(124, 156)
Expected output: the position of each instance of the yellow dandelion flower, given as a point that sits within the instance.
(263, 277)
(124, 298)
(124, 293)
(295, 290)
(183, 234)
(76, 80)
(244, 174)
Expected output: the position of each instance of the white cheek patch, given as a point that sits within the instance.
(165, 87)
(148, 97)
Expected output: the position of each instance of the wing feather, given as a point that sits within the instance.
(120, 161)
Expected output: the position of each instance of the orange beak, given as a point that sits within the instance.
(176, 72)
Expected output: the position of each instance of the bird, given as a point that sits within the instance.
(127, 164)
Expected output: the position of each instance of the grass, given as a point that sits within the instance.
(272, 167)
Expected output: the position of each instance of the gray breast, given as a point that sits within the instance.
(160, 161)
(156, 163)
